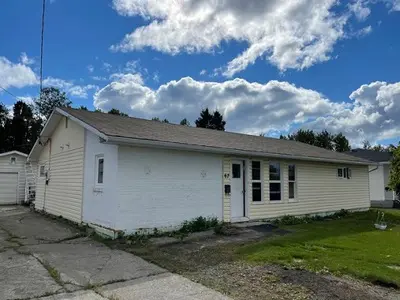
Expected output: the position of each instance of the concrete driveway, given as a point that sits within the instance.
(44, 259)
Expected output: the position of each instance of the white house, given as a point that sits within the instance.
(121, 173)
(12, 177)
(379, 172)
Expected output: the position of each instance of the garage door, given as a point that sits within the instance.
(8, 188)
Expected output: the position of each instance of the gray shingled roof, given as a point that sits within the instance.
(127, 127)
(371, 155)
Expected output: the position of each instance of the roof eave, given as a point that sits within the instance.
(47, 130)
(14, 152)
(178, 146)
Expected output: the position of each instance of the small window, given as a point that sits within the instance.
(42, 171)
(236, 171)
(292, 182)
(66, 122)
(13, 160)
(344, 173)
(275, 187)
(99, 170)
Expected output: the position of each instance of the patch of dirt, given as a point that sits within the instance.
(327, 287)
(213, 263)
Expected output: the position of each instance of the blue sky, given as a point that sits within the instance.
(268, 66)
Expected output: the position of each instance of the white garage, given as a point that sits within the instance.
(8, 188)
(12, 177)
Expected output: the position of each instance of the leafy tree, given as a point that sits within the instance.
(184, 122)
(394, 177)
(49, 99)
(21, 131)
(159, 120)
(114, 111)
(341, 143)
(82, 107)
(304, 136)
(3, 121)
(324, 140)
(366, 145)
(212, 121)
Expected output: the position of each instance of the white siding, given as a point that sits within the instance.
(318, 190)
(19, 168)
(377, 183)
(100, 205)
(63, 157)
(161, 188)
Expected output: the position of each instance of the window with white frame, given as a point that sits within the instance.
(275, 186)
(292, 182)
(344, 173)
(13, 160)
(256, 181)
(99, 170)
(42, 171)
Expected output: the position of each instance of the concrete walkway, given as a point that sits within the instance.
(44, 259)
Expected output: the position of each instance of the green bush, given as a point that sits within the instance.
(198, 224)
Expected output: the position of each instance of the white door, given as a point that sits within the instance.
(8, 188)
(237, 191)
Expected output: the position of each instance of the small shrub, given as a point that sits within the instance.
(222, 229)
(198, 224)
(341, 214)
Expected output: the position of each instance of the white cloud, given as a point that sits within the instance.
(361, 32)
(271, 107)
(99, 78)
(156, 77)
(25, 60)
(106, 66)
(16, 74)
(203, 72)
(360, 9)
(90, 68)
(123, 78)
(79, 91)
(273, 29)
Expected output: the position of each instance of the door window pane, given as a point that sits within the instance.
(236, 171)
(256, 191)
(256, 170)
(274, 171)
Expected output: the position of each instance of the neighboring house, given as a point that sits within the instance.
(121, 173)
(379, 171)
(12, 177)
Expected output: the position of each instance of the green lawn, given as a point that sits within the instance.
(350, 245)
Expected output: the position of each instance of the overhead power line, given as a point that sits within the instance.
(8, 92)
(42, 45)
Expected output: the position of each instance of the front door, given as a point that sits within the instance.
(237, 191)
